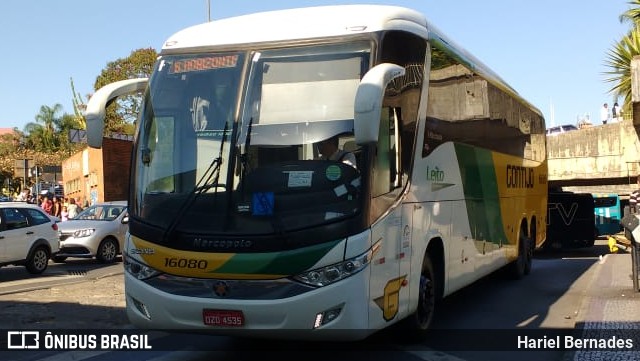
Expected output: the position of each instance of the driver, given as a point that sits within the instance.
(329, 150)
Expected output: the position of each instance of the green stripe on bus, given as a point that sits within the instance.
(482, 198)
(277, 263)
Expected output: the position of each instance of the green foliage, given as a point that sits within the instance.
(79, 105)
(46, 139)
(122, 114)
(619, 62)
(618, 58)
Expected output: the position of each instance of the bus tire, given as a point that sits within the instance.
(529, 254)
(427, 298)
(518, 268)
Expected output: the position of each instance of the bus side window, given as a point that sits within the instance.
(384, 168)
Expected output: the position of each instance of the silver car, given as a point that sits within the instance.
(98, 231)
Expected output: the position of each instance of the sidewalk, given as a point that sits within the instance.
(610, 307)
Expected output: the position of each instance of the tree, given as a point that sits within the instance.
(632, 15)
(79, 105)
(122, 114)
(41, 135)
(618, 60)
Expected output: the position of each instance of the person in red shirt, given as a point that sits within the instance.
(47, 205)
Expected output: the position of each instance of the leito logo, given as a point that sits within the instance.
(23, 339)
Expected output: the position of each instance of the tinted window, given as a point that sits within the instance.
(465, 107)
(37, 216)
(13, 218)
(605, 202)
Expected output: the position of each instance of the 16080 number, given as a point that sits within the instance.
(175, 262)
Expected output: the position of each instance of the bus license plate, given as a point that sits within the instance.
(227, 318)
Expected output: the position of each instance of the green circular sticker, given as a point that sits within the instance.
(333, 172)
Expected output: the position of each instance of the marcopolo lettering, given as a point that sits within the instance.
(221, 244)
(519, 177)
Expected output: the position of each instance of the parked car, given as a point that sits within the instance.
(28, 236)
(98, 231)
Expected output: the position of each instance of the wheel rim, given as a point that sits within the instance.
(40, 260)
(426, 301)
(108, 251)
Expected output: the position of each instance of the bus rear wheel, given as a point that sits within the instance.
(522, 265)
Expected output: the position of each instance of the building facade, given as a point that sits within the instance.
(98, 175)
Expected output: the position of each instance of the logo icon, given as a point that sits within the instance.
(221, 289)
(23, 340)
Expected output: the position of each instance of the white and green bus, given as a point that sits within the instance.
(236, 224)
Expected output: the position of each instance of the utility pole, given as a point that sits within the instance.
(208, 10)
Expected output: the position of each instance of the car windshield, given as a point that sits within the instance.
(101, 212)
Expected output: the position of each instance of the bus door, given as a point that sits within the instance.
(390, 229)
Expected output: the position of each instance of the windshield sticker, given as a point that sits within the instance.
(340, 190)
(333, 172)
(332, 215)
(215, 134)
(299, 179)
(204, 63)
(263, 203)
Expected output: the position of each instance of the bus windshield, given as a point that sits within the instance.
(227, 142)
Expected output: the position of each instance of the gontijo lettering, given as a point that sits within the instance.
(519, 176)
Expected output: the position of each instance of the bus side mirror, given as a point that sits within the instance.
(368, 102)
(96, 107)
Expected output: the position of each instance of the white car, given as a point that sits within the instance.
(28, 236)
(98, 231)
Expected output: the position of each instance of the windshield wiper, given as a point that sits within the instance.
(244, 155)
(210, 179)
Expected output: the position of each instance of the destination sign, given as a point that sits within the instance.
(203, 63)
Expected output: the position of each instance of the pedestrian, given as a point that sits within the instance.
(72, 209)
(24, 196)
(57, 207)
(616, 113)
(604, 113)
(47, 205)
(64, 214)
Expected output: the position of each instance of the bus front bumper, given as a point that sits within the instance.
(335, 312)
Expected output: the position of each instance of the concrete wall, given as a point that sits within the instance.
(603, 155)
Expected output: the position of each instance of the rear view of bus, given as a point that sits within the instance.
(607, 213)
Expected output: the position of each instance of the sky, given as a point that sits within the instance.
(551, 51)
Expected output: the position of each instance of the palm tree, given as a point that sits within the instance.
(618, 58)
(52, 123)
(633, 14)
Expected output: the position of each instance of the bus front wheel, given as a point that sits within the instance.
(427, 297)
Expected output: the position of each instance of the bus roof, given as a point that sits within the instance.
(298, 24)
(306, 23)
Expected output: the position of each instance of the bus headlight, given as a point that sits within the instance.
(138, 269)
(327, 275)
